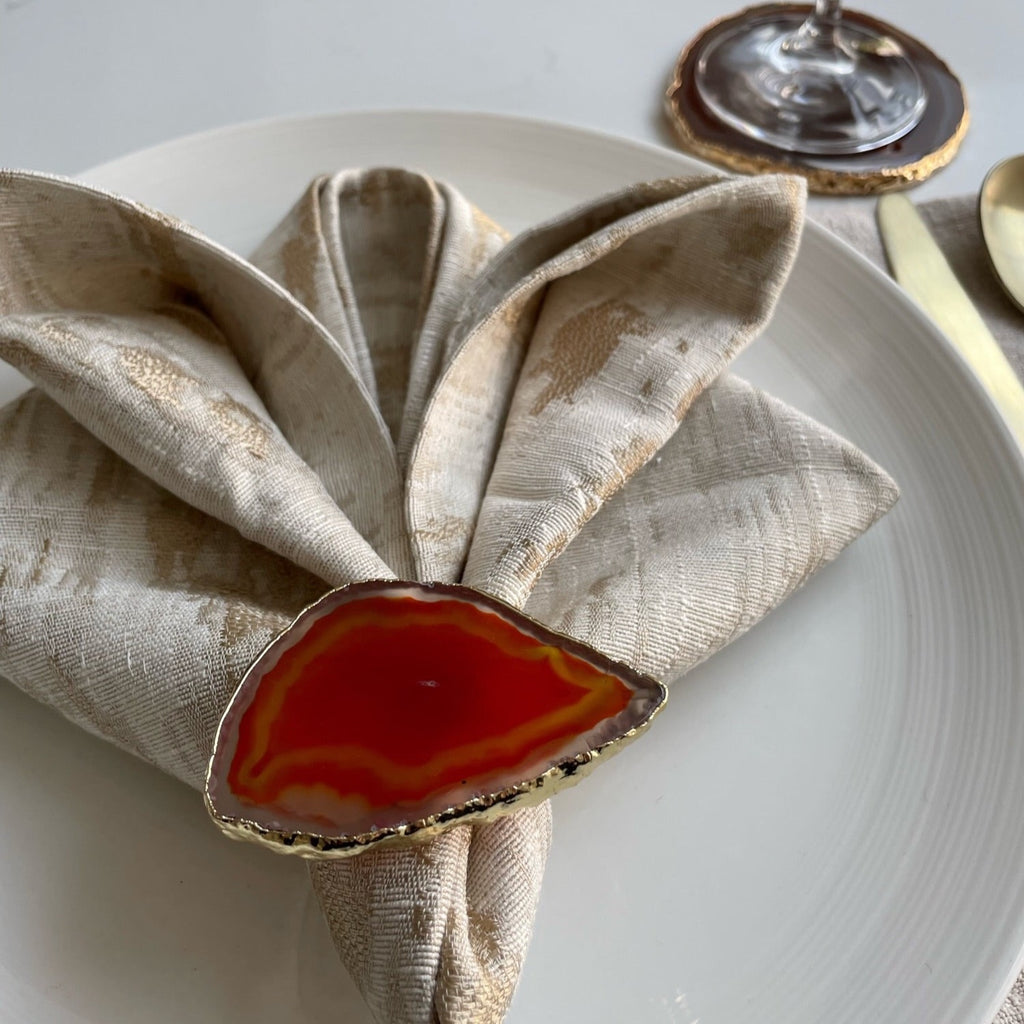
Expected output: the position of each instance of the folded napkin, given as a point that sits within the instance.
(954, 223)
(546, 419)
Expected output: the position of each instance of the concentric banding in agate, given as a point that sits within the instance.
(482, 797)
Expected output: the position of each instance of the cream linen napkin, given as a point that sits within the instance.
(954, 223)
(547, 420)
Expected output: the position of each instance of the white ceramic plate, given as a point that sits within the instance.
(825, 826)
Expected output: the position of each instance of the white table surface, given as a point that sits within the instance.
(82, 83)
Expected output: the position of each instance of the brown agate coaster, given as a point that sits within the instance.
(907, 161)
(391, 709)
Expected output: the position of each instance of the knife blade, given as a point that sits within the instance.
(920, 267)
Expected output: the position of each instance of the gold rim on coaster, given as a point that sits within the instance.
(907, 161)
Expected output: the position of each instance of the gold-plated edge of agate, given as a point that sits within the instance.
(479, 809)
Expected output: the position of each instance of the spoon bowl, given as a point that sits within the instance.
(1001, 212)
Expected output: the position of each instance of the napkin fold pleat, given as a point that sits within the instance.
(440, 931)
(128, 610)
(699, 287)
(746, 500)
(620, 349)
(148, 389)
(229, 374)
(383, 231)
(296, 255)
(550, 422)
(383, 259)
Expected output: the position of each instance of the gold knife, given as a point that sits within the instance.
(920, 267)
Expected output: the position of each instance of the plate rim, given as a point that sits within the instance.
(812, 228)
(1011, 453)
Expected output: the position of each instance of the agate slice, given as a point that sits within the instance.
(391, 709)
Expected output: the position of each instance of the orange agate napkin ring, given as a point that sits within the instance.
(392, 709)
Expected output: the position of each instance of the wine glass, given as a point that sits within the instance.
(809, 83)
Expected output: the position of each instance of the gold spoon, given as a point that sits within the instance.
(1001, 212)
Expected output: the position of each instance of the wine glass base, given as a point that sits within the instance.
(923, 151)
(848, 90)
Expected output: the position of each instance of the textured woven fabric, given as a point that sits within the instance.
(548, 419)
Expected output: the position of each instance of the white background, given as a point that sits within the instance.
(82, 83)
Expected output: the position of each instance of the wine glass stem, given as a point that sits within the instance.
(827, 13)
(817, 45)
